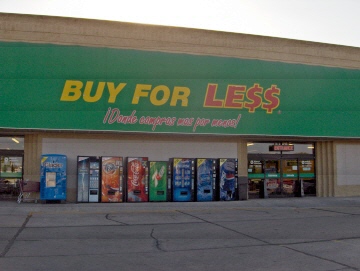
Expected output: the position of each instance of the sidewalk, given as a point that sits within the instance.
(305, 202)
(317, 234)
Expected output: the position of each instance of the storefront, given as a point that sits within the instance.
(281, 170)
(93, 88)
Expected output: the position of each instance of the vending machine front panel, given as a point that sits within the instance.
(53, 177)
(111, 179)
(94, 179)
(205, 179)
(83, 179)
(228, 170)
(183, 179)
(137, 179)
(158, 181)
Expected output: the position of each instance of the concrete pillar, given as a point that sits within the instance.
(242, 169)
(325, 169)
(32, 155)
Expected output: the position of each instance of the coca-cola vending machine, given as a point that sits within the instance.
(137, 179)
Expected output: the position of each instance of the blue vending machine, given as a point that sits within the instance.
(53, 177)
(182, 172)
(228, 179)
(205, 179)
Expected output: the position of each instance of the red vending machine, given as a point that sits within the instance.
(137, 180)
(111, 179)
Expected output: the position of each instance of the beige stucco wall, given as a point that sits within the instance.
(58, 30)
(347, 169)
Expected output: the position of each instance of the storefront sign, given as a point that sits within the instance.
(55, 87)
(281, 148)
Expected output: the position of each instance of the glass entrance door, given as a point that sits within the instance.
(284, 173)
(289, 176)
(307, 175)
(272, 177)
(281, 177)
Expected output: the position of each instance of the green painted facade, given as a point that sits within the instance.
(56, 87)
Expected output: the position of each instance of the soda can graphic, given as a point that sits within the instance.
(137, 180)
(228, 179)
(205, 180)
(158, 181)
(183, 179)
(111, 187)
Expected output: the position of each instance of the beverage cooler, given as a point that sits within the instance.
(53, 177)
(182, 172)
(158, 187)
(228, 179)
(111, 179)
(206, 179)
(137, 179)
(88, 181)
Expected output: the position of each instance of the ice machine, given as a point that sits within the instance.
(53, 177)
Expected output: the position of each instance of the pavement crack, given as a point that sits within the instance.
(332, 211)
(12, 240)
(226, 228)
(107, 216)
(321, 258)
(157, 241)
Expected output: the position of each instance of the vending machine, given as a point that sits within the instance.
(182, 172)
(53, 177)
(228, 179)
(83, 175)
(94, 180)
(88, 180)
(137, 179)
(112, 179)
(206, 179)
(158, 181)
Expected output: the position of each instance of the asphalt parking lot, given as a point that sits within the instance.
(262, 234)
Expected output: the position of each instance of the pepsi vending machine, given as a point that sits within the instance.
(228, 179)
(137, 180)
(53, 177)
(111, 179)
(206, 179)
(182, 172)
(158, 181)
(88, 180)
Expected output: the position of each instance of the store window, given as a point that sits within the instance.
(11, 166)
(11, 143)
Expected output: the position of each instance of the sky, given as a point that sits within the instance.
(325, 21)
